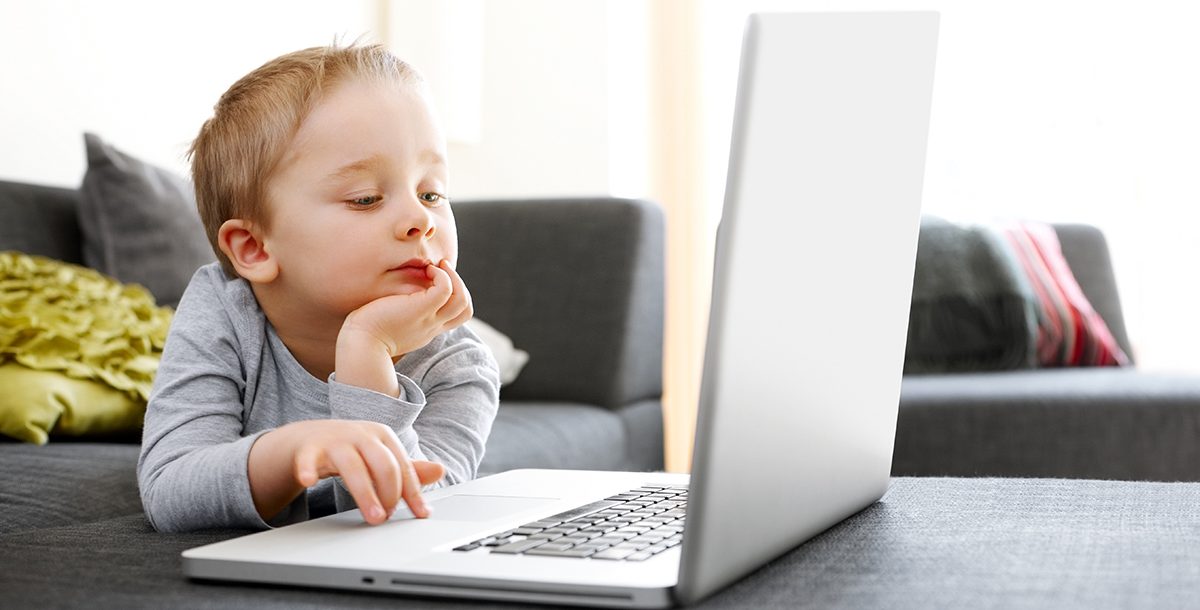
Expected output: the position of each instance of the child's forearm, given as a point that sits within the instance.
(363, 361)
(273, 482)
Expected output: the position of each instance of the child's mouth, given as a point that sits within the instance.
(413, 270)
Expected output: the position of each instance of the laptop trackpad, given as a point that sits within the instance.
(464, 507)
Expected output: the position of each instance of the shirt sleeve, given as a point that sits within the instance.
(449, 395)
(192, 471)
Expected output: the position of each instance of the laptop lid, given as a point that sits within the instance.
(812, 285)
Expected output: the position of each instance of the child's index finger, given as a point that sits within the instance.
(441, 280)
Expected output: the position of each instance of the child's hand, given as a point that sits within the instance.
(372, 463)
(407, 322)
(376, 334)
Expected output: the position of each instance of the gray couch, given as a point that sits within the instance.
(1095, 423)
(576, 283)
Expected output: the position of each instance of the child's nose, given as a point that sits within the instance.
(415, 222)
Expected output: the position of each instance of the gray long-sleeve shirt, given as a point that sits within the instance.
(226, 378)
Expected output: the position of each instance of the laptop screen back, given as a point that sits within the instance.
(812, 285)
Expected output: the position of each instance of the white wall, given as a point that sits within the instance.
(544, 129)
(1053, 110)
(144, 75)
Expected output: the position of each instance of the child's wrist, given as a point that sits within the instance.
(364, 361)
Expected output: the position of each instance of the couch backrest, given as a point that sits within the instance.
(1086, 251)
(40, 220)
(577, 283)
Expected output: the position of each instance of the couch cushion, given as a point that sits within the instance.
(140, 223)
(576, 283)
(1070, 331)
(565, 435)
(928, 543)
(1101, 423)
(66, 483)
(971, 308)
(40, 220)
(78, 350)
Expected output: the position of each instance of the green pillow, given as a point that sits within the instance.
(36, 403)
(78, 350)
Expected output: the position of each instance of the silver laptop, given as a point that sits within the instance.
(802, 369)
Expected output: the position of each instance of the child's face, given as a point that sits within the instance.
(358, 200)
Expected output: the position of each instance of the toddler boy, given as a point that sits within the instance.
(327, 339)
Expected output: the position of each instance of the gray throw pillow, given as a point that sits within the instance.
(140, 223)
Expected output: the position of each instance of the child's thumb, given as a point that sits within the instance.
(428, 472)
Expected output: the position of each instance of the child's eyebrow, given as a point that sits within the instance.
(355, 167)
(428, 157)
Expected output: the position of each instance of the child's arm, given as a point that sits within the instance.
(449, 420)
(192, 467)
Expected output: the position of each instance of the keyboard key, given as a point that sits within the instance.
(608, 540)
(520, 546)
(622, 497)
(583, 510)
(639, 556)
(614, 553)
(637, 529)
(557, 545)
(643, 520)
(562, 553)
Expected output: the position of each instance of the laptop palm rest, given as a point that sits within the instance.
(468, 507)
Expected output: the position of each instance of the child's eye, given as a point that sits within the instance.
(431, 198)
(365, 201)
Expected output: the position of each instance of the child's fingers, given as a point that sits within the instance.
(428, 472)
(460, 297)
(385, 473)
(306, 466)
(410, 489)
(466, 314)
(411, 492)
(357, 480)
(443, 287)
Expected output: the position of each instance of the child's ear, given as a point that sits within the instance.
(242, 242)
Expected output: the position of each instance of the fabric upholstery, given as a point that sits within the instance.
(1086, 251)
(40, 220)
(929, 543)
(36, 404)
(78, 350)
(1104, 422)
(140, 223)
(971, 307)
(578, 284)
(1070, 331)
(66, 484)
(551, 435)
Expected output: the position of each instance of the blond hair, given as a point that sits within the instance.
(255, 120)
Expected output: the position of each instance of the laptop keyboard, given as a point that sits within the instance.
(630, 526)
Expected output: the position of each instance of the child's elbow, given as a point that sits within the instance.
(161, 516)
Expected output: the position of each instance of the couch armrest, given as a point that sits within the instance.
(577, 283)
(1086, 251)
